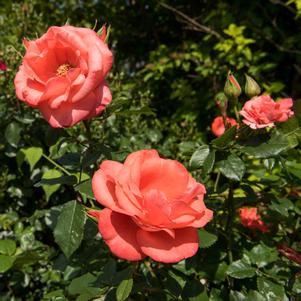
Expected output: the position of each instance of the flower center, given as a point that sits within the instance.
(62, 70)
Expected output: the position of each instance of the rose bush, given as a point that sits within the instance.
(218, 126)
(153, 207)
(63, 75)
(263, 111)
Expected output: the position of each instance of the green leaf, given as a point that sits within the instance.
(240, 269)
(291, 125)
(122, 275)
(194, 291)
(173, 283)
(215, 295)
(32, 155)
(124, 289)
(83, 285)
(70, 159)
(68, 180)
(57, 295)
(261, 255)
(220, 272)
(273, 147)
(282, 206)
(69, 229)
(7, 247)
(6, 262)
(254, 296)
(12, 134)
(206, 239)
(50, 189)
(109, 270)
(237, 296)
(225, 139)
(270, 290)
(232, 168)
(28, 258)
(208, 163)
(198, 158)
(269, 164)
(85, 188)
(297, 286)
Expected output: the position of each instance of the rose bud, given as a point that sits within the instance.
(251, 88)
(232, 88)
(289, 253)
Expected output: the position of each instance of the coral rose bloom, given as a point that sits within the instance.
(250, 219)
(263, 111)
(153, 208)
(218, 127)
(62, 74)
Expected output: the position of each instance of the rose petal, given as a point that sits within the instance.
(104, 191)
(68, 114)
(167, 176)
(119, 232)
(111, 168)
(163, 248)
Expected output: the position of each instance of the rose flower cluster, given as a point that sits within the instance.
(259, 112)
(152, 206)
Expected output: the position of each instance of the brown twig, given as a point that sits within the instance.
(284, 5)
(192, 24)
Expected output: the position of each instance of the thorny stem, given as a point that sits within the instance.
(57, 165)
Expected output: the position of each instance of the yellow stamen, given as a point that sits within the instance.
(62, 70)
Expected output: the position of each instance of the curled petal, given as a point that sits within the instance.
(162, 247)
(119, 232)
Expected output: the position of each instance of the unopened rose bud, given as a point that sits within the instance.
(232, 88)
(251, 88)
(222, 102)
(289, 253)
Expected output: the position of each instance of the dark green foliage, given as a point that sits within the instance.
(170, 60)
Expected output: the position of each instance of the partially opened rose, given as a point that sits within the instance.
(63, 75)
(263, 111)
(251, 219)
(218, 126)
(153, 208)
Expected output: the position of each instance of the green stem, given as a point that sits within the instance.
(216, 181)
(88, 131)
(57, 165)
(236, 113)
(229, 223)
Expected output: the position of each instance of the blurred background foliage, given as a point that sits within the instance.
(171, 58)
